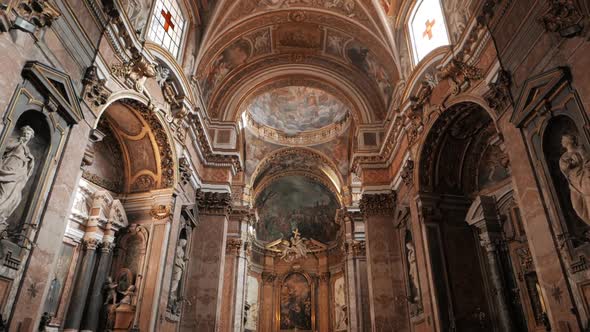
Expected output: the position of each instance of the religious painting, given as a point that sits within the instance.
(252, 305)
(335, 43)
(296, 202)
(235, 55)
(338, 151)
(457, 13)
(261, 41)
(296, 304)
(366, 62)
(299, 36)
(296, 109)
(256, 151)
(340, 309)
(493, 166)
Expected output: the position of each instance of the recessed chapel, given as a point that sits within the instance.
(295, 165)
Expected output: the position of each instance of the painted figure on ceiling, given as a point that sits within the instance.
(17, 167)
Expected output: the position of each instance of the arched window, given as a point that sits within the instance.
(427, 28)
(167, 25)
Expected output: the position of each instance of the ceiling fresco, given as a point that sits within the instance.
(296, 109)
(296, 202)
(297, 38)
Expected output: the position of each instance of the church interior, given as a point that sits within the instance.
(295, 165)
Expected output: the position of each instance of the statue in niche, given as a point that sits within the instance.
(413, 272)
(575, 166)
(179, 266)
(16, 169)
(110, 290)
(128, 295)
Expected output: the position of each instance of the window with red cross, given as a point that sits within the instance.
(427, 28)
(167, 25)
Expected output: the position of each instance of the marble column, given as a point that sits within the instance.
(95, 300)
(387, 287)
(267, 318)
(235, 273)
(490, 234)
(324, 302)
(202, 311)
(495, 276)
(81, 286)
(355, 270)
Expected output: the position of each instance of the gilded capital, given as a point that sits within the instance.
(214, 203)
(90, 244)
(378, 204)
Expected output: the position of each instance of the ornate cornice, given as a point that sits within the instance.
(378, 204)
(210, 157)
(213, 203)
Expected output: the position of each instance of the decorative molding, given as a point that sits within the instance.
(207, 151)
(160, 212)
(214, 203)
(135, 71)
(95, 91)
(184, 171)
(378, 204)
(324, 277)
(499, 96)
(563, 17)
(38, 13)
(407, 173)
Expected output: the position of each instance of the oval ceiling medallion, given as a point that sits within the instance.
(297, 115)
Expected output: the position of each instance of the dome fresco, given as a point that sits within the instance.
(297, 109)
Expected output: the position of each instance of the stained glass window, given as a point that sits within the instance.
(427, 28)
(167, 25)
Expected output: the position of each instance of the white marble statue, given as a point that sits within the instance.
(575, 166)
(179, 266)
(16, 168)
(413, 270)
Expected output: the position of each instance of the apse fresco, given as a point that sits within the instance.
(296, 202)
(296, 304)
(296, 109)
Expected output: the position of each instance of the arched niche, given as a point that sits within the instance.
(130, 253)
(132, 150)
(463, 164)
(44, 105)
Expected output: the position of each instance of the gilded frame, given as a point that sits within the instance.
(312, 289)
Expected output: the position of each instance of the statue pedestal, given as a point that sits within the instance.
(124, 317)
